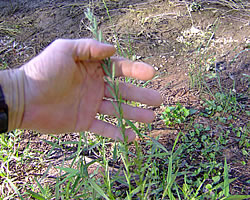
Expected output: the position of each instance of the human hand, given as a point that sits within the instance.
(64, 89)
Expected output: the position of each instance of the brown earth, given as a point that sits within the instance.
(159, 32)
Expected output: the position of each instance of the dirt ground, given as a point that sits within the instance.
(160, 33)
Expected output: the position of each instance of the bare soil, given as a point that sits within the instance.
(159, 33)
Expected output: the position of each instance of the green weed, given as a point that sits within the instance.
(175, 115)
(3, 64)
(9, 154)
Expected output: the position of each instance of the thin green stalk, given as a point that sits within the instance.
(120, 52)
(14, 188)
(109, 69)
(170, 176)
(226, 180)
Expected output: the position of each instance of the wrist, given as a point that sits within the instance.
(12, 82)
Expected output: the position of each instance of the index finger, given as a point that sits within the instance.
(137, 70)
(84, 49)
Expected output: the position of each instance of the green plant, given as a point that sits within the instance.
(199, 145)
(3, 64)
(198, 69)
(72, 182)
(224, 103)
(9, 153)
(175, 115)
(212, 190)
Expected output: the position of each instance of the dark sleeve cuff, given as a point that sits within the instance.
(3, 113)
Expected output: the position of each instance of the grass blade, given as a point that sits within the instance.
(40, 187)
(14, 188)
(158, 144)
(98, 189)
(237, 197)
(69, 170)
(226, 180)
(35, 195)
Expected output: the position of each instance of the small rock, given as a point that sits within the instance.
(156, 68)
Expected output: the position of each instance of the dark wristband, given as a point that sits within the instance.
(3, 113)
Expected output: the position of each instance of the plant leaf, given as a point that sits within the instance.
(237, 197)
(226, 180)
(69, 170)
(192, 111)
(97, 189)
(14, 188)
(35, 195)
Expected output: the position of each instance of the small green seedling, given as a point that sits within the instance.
(175, 115)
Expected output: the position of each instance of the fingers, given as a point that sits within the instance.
(137, 70)
(109, 130)
(129, 112)
(89, 49)
(137, 94)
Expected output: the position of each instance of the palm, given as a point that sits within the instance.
(66, 89)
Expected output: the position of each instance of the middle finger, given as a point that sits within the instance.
(137, 94)
(129, 112)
